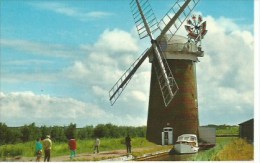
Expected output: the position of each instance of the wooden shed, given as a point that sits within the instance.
(246, 130)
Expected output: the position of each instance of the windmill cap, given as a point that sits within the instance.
(177, 43)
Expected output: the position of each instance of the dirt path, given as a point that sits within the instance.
(92, 157)
(79, 157)
(103, 155)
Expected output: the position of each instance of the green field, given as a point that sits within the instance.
(227, 130)
(59, 149)
(226, 144)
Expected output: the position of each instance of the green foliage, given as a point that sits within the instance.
(57, 134)
(210, 154)
(227, 130)
(45, 131)
(30, 132)
(222, 130)
(237, 149)
(19, 149)
(61, 148)
(86, 132)
(71, 131)
(4, 132)
(101, 131)
(227, 149)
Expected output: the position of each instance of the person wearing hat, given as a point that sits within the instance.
(47, 144)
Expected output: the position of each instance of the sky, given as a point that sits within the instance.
(59, 59)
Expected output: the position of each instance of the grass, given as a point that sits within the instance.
(228, 130)
(209, 154)
(227, 149)
(59, 149)
(237, 150)
(20, 149)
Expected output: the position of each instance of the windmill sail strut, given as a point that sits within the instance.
(155, 47)
(146, 25)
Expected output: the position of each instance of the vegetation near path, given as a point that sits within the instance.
(238, 149)
(110, 148)
(228, 149)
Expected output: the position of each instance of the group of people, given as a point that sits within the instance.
(46, 146)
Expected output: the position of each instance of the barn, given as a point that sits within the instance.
(246, 130)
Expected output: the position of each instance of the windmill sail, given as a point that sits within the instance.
(167, 96)
(162, 69)
(120, 85)
(151, 20)
(146, 25)
(175, 17)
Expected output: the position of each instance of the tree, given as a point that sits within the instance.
(45, 131)
(86, 132)
(70, 131)
(35, 132)
(114, 131)
(25, 133)
(101, 131)
(14, 135)
(3, 133)
(57, 134)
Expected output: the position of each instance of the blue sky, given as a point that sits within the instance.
(59, 59)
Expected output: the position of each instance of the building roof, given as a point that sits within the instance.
(248, 121)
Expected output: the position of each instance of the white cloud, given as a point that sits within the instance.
(44, 109)
(37, 48)
(72, 12)
(116, 41)
(99, 91)
(108, 58)
(77, 71)
(97, 72)
(224, 76)
(226, 73)
(27, 107)
(139, 96)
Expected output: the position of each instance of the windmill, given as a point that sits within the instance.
(164, 86)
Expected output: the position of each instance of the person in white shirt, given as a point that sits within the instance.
(97, 144)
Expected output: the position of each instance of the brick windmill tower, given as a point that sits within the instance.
(173, 93)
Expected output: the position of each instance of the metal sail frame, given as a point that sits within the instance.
(122, 82)
(164, 83)
(145, 27)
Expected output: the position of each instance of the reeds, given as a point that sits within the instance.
(237, 150)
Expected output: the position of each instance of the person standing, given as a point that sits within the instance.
(97, 144)
(72, 147)
(38, 150)
(47, 144)
(128, 144)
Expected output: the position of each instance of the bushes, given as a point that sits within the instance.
(11, 135)
(19, 149)
(11, 151)
(238, 149)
